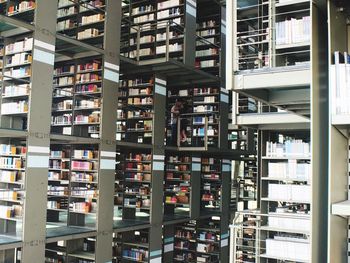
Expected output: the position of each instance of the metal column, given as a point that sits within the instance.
(38, 143)
(190, 33)
(158, 155)
(107, 149)
(195, 200)
(225, 210)
(319, 133)
(168, 248)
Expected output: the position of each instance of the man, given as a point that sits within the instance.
(174, 118)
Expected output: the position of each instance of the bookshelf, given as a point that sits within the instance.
(76, 108)
(199, 116)
(22, 10)
(135, 112)
(83, 186)
(81, 250)
(12, 178)
(58, 183)
(177, 185)
(82, 20)
(133, 185)
(197, 241)
(16, 71)
(273, 34)
(286, 195)
(209, 37)
(155, 30)
(338, 193)
(211, 184)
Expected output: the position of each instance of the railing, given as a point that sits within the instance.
(192, 133)
(250, 238)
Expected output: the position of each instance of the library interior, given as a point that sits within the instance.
(165, 131)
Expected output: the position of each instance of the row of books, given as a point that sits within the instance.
(11, 176)
(22, 72)
(16, 90)
(83, 207)
(291, 170)
(22, 6)
(80, 165)
(92, 19)
(9, 149)
(89, 33)
(292, 193)
(62, 12)
(207, 52)
(297, 222)
(10, 211)
(291, 247)
(18, 59)
(293, 31)
(340, 84)
(24, 45)
(288, 148)
(136, 254)
(14, 107)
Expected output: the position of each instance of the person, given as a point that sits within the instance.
(184, 123)
(174, 117)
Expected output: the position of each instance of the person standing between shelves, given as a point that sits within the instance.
(174, 118)
(184, 123)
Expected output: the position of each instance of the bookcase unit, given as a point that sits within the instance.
(286, 191)
(12, 178)
(210, 37)
(155, 30)
(82, 20)
(76, 108)
(73, 185)
(210, 184)
(197, 241)
(22, 10)
(271, 66)
(16, 71)
(338, 191)
(177, 184)
(135, 112)
(133, 191)
(199, 116)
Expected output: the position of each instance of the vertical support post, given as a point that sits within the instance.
(38, 143)
(167, 41)
(107, 149)
(168, 248)
(338, 148)
(272, 35)
(319, 132)
(225, 210)
(235, 103)
(224, 111)
(195, 198)
(158, 155)
(223, 47)
(190, 38)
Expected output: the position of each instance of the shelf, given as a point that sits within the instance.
(83, 255)
(341, 208)
(291, 157)
(284, 259)
(295, 45)
(285, 200)
(292, 2)
(286, 230)
(284, 179)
